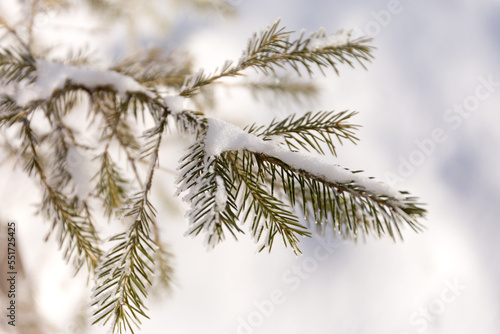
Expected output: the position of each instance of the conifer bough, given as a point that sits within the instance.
(277, 180)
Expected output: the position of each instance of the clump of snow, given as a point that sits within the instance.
(222, 136)
(52, 76)
(200, 218)
(175, 103)
(220, 194)
(334, 40)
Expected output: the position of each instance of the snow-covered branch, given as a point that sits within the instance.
(262, 176)
(259, 174)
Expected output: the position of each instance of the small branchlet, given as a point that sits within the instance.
(129, 266)
(75, 231)
(16, 65)
(310, 131)
(274, 48)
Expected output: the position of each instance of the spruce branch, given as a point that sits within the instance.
(76, 234)
(210, 194)
(125, 272)
(263, 182)
(270, 216)
(124, 275)
(164, 271)
(154, 69)
(273, 49)
(15, 65)
(10, 112)
(11, 31)
(191, 123)
(48, 80)
(110, 185)
(310, 131)
(348, 207)
(282, 89)
(61, 140)
(115, 126)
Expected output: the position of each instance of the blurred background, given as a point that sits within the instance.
(429, 105)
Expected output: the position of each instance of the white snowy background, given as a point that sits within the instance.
(432, 59)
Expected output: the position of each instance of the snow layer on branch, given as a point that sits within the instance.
(222, 136)
(52, 76)
(334, 40)
(175, 103)
(220, 195)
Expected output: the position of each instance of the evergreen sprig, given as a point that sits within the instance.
(116, 127)
(76, 232)
(10, 112)
(348, 208)
(154, 69)
(273, 48)
(124, 274)
(282, 89)
(270, 216)
(264, 190)
(207, 181)
(310, 131)
(15, 65)
(110, 185)
(71, 217)
(164, 268)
